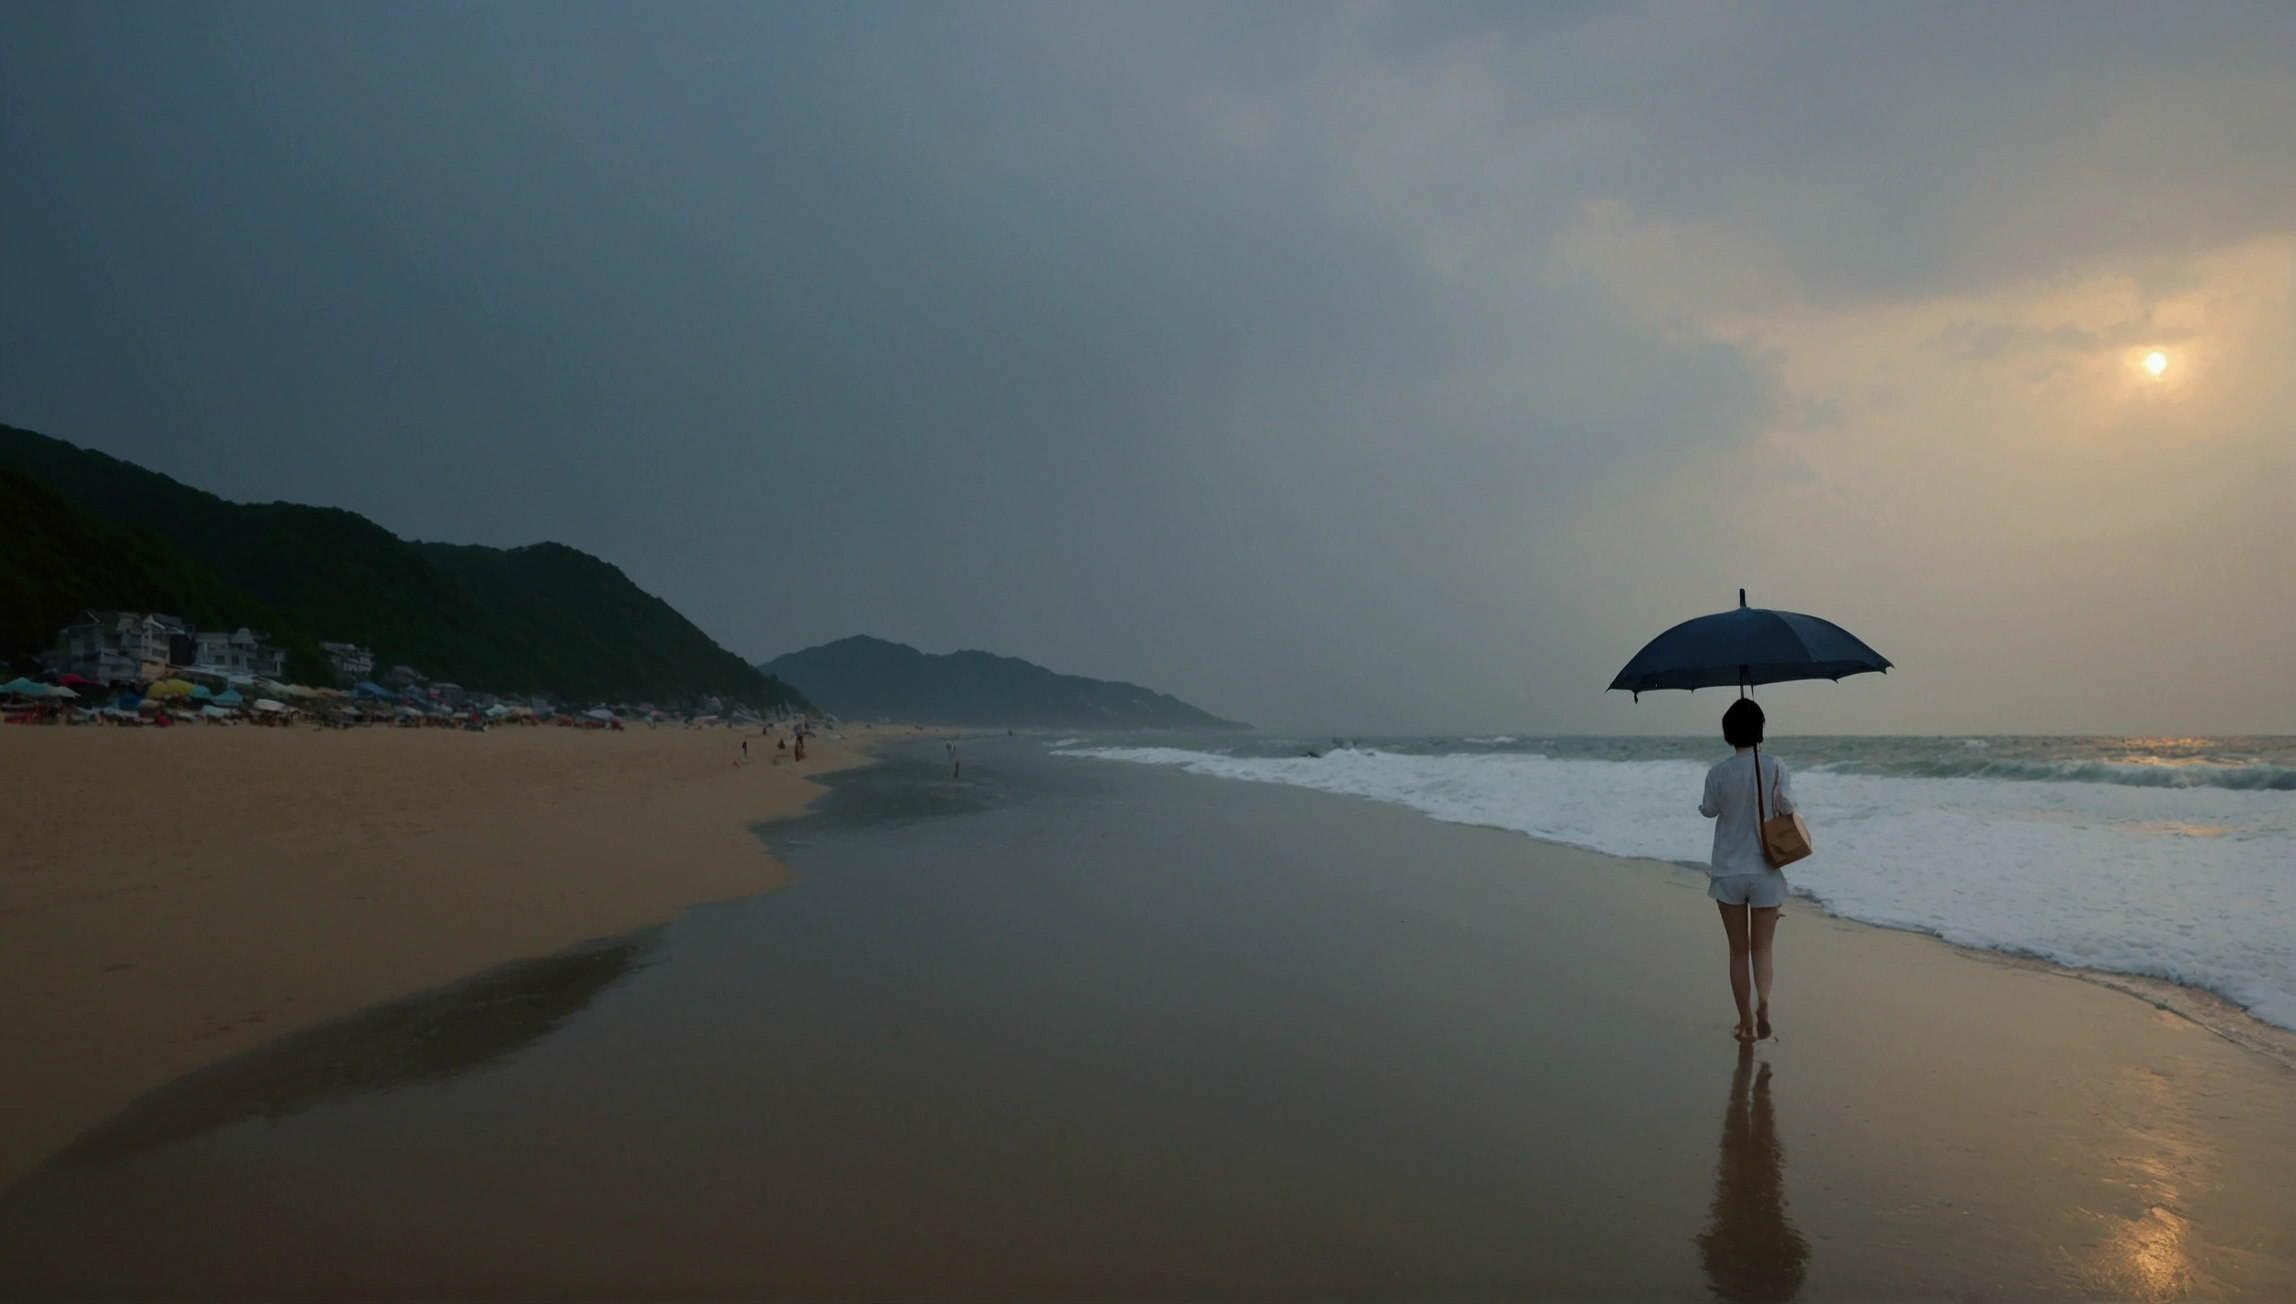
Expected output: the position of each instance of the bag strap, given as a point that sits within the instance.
(1759, 815)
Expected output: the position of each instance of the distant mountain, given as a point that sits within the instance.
(542, 619)
(866, 678)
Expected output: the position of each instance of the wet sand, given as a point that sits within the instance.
(1068, 1029)
(171, 898)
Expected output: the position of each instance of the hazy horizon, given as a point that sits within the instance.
(1363, 370)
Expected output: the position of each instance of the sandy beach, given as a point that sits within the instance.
(1065, 1029)
(170, 898)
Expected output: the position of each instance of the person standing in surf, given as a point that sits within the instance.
(1744, 884)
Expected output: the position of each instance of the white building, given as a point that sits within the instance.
(117, 646)
(239, 652)
(352, 662)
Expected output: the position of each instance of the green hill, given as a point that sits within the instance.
(594, 631)
(530, 620)
(58, 561)
(869, 678)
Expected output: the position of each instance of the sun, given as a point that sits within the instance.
(2156, 363)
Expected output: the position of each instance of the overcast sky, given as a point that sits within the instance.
(1344, 367)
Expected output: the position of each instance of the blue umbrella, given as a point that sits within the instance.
(1751, 645)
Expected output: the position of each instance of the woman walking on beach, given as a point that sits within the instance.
(1746, 886)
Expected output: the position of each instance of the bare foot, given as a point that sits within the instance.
(1743, 1033)
(1762, 1024)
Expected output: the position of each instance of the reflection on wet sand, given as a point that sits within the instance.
(430, 1037)
(1750, 1248)
(2137, 1246)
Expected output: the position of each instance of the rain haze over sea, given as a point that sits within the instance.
(2171, 858)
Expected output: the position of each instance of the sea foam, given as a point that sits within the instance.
(2193, 883)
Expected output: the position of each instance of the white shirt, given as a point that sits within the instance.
(1729, 802)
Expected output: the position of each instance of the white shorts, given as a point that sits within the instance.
(1761, 891)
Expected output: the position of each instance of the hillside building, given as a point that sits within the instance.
(239, 652)
(352, 663)
(118, 646)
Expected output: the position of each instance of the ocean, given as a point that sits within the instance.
(2170, 858)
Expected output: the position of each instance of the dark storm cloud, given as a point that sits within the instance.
(1236, 350)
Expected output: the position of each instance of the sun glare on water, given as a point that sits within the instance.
(2156, 363)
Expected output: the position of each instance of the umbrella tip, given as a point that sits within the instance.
(1741, 597)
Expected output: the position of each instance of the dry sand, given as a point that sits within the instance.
(169, 898)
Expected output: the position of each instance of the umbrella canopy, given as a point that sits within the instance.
(266, 704)
(58, 690)
(229, 697)
(72, 681)
(169, 688)
(23, 687)
(1751, 645)
(599, 713)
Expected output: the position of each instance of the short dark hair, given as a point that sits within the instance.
(1742, 724)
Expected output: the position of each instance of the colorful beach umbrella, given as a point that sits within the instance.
(1745, 647)
(169, 688)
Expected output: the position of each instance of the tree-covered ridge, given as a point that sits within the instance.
(546, 619)
(593, 629)
(868, 678)
(59, 561)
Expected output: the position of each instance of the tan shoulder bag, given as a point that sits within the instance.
(1785, 838)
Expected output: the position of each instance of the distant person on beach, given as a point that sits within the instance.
(1746, 886)
(956, 766)
(799, 754)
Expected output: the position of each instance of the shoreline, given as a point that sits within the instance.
(2208, 1010)
(2206, 1006)
(169, 900)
